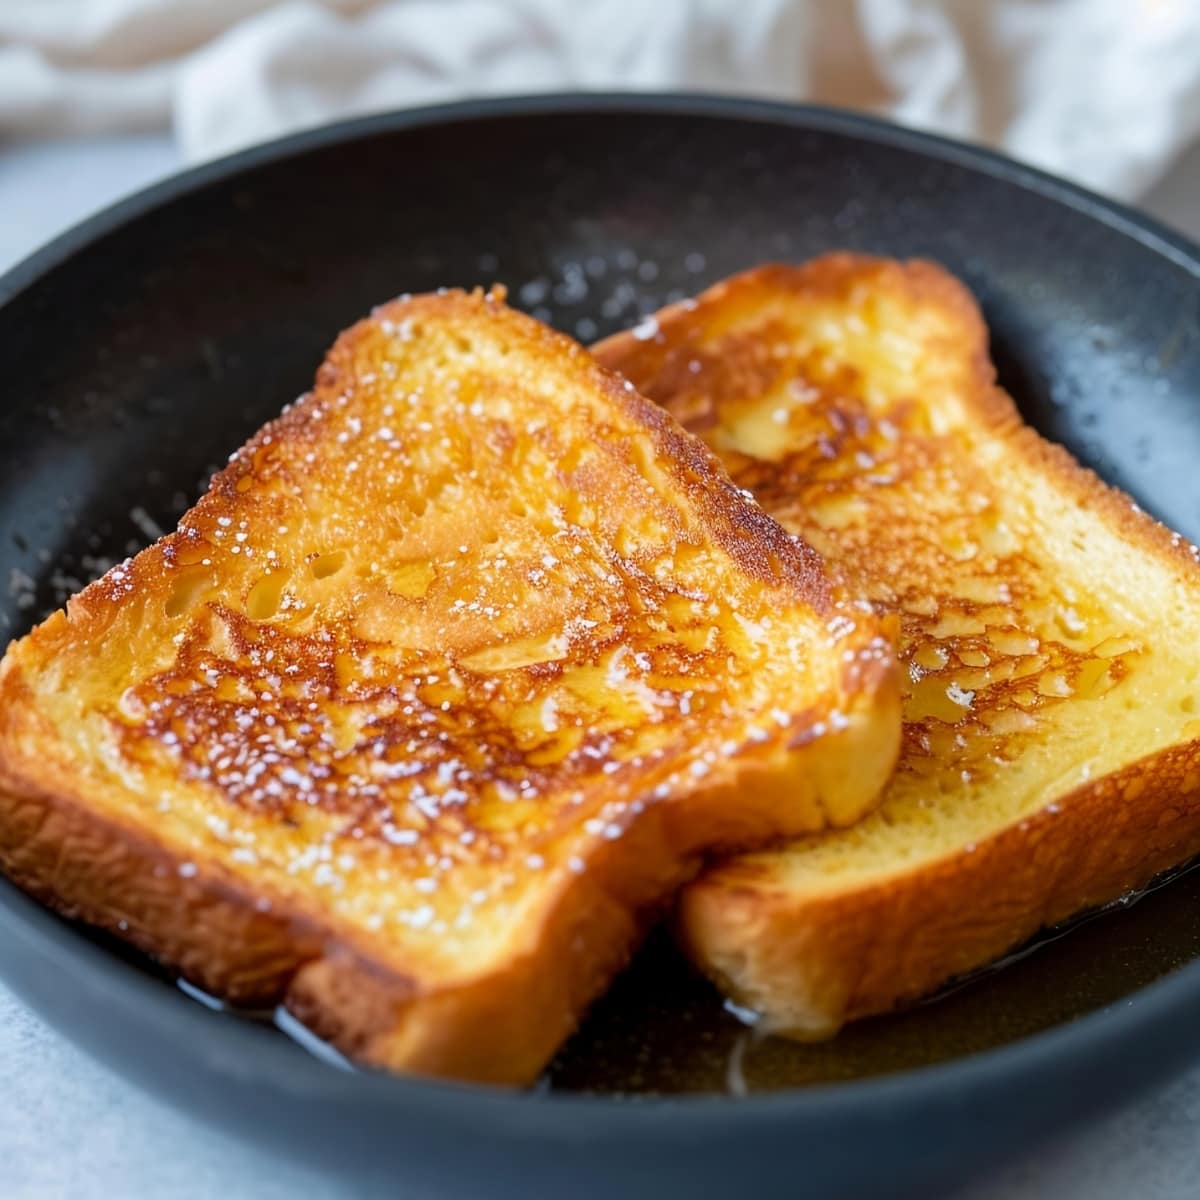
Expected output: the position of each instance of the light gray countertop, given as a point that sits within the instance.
(69, 1128)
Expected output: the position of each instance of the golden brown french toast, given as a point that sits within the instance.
(1049, 630)
(458, 668)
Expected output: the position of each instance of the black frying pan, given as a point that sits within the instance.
(140, 348)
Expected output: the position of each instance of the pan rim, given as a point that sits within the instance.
(1146, 230)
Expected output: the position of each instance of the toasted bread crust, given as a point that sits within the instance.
(812, 956)
(655, 365)
(813, 964)
(84, 836)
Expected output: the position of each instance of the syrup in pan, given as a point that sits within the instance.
(663, 1030)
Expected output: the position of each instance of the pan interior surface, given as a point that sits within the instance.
(134, 366)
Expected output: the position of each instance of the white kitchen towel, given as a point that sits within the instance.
(1104, 91)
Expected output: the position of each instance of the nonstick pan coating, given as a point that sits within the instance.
(142, 347)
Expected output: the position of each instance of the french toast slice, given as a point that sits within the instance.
(1050, 758)
(455, 671)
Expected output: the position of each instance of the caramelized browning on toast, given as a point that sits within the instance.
(1048, 635)
(458, 667)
